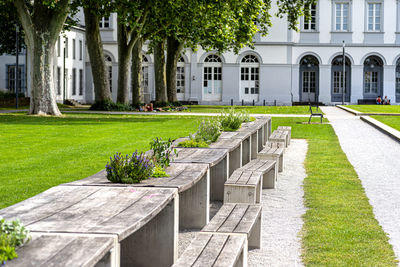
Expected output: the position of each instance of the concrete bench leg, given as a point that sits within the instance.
(218, 176)
(279, 159)
(234, 160)
(270, 178)
(254, 145)
(156, 243)
(242, 193)
(255, 235)
(260, 142)
(281, 163)
(242, 261)
(246, 151)
(112, 258)
(194, 205)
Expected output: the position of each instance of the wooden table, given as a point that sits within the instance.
(145, 220)
(217, 160)
(192, 182)
(245, 138)
(234, 147)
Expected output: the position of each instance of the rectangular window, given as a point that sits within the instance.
(374, 16)
(105, 22)
(66, 47)
(342, 17)
(73, 81)
(80, 50)
(371, 82)
(59, 47)
(145, 78)
(11, 78)
(180, 80)
(73, 48)
(110, 77)
(66, 82)
(58, 81)
(338, 82)
(398, 82)
(81, 82)
(310, 24)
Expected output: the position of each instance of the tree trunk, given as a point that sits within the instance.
(136, 72)
(43, 96)
(95, 48)
(159, 72)
(42, 29)
(174, 49)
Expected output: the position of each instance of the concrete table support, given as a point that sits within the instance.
(243, 187)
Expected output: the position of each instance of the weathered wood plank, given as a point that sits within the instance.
(200, 155)
(88, 209)
(234, 219)
(211, 252)
(234, 254)
(230, 144)
(63, 250)
(259, 165)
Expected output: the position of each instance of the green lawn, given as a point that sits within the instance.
(40, 152)
(339, 225)
(392, 121)
(376, 108)
(254, 110)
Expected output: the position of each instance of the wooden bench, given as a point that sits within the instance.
(218, 162)
(275, 144)
(245, 138)
(314, 114)
(274, 153)
(209, 250)
(234, 147)
(59, 249)
(279, 136)
(145, 220)
(243, 187)
(193, 184)
(238, 219)
(287, 129)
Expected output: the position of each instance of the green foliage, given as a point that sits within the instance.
(110, 106)
(12, 235)
(159, 172)
(129, 169)
(209, 130)
(232, 119)
(192, 143)
(162, 152)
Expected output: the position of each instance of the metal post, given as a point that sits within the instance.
(242, 102)
(264, 103)
(344, 74)
(64, 76)
(253, 102)
(16, 65)
(231, 102)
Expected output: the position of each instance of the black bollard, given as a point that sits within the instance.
(253, 102)
(242, 102)
(264, 103)
(231, 102)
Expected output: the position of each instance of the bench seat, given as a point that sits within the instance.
(279, 136)
(238, 219)
(243, 187)
(287, 129)
(268, 168)
(208, 250)
(274, 153)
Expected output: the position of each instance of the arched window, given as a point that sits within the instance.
(213, 58)
(249, 59)
(180, 78)
(373, 77)
(309, 79)
(212, 78)
(250, 78)
(108, 61)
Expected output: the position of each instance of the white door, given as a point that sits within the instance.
(309, 86)
(212, 83)
(180, 82)
(249, 83)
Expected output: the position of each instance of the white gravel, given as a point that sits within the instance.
(376, 159)
(282, 213)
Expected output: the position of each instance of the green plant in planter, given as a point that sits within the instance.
(209, 130)
(12, 235)
(231, 120)
(129, 169)
(159, 172)
(162, 152)
(192, 143)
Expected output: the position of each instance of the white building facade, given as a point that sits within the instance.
(285, 67)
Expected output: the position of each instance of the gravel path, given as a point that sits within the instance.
(282, 211)
(376, 159)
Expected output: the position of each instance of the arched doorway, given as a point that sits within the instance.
(373, 77)
(212, 78)
(337, 80)
(309, 79)
(180, 79)
(250, 78)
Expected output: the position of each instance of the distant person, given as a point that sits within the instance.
(386, 101)
(379, 100)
